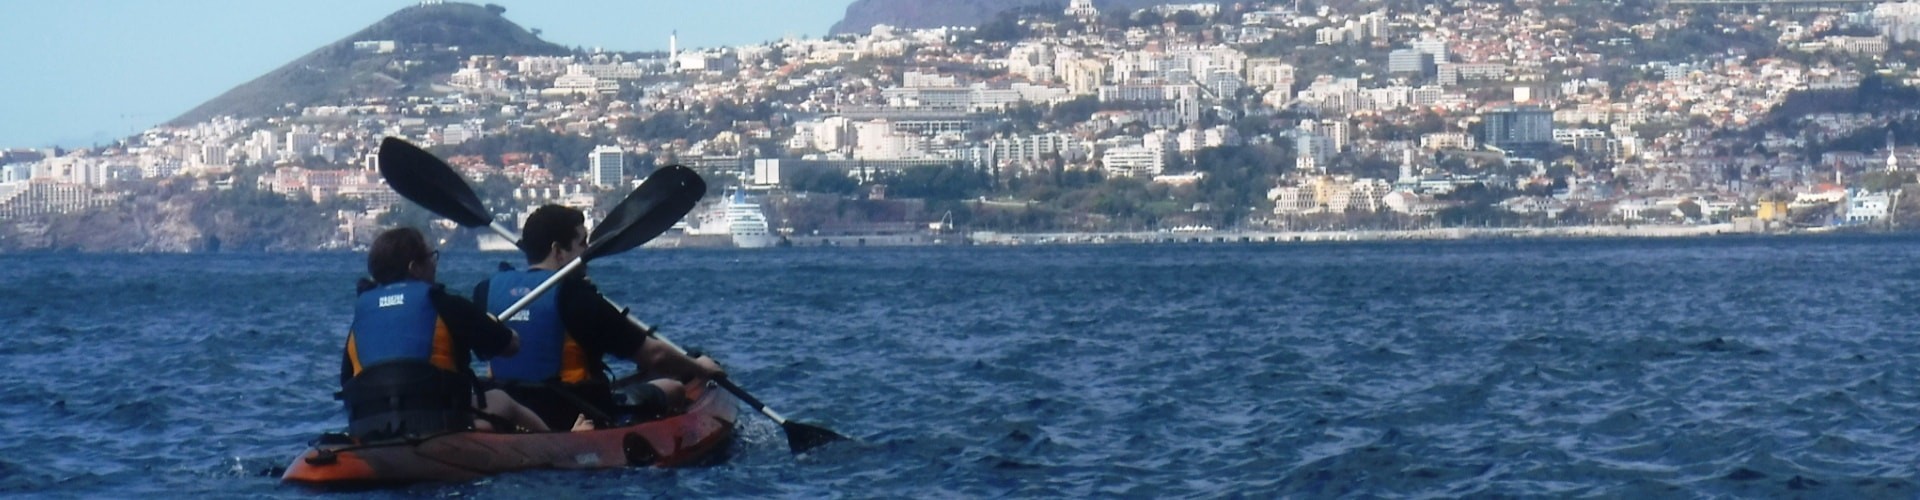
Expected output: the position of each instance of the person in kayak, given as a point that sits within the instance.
(567, 332)
(404, 369)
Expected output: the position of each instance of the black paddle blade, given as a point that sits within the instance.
(651, 209)
(425, 180)
(802, 437)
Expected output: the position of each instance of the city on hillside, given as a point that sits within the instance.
(1243, 120)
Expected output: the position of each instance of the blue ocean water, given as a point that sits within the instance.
(1625, 368)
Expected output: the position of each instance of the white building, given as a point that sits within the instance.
(1029, 151)
(766, 172)
(1033, 60)
(1272, 73)
(1293, 200)
(479, 79)
(608, 166)
(300, 142)
(1448, 140)
(877, 140)
(1134, 161)
(1864, 207)
(1899, 21)
(1432, 46)
(1082, 9)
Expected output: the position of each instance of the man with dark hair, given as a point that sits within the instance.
(565, 334)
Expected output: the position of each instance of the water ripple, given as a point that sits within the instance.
(1716, 368)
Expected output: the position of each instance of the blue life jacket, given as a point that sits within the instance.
(397, 321)
(546, 350)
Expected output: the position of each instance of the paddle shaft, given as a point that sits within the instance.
(723, 381)
(551, 281)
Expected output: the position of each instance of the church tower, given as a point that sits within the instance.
(1893, 161)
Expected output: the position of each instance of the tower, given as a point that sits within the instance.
(1406, 166)
(1893, 161)
(673, 50)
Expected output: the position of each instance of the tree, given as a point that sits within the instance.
(1885, 181)
(1079, 109)
(1690, 210)
(943, 182)
(1005, 27)
(822, 180)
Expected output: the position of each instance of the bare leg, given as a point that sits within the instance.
(501, 405)
(675, 391)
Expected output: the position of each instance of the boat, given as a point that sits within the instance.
(734, 220)
(495, 243)
(690, 438)
(747, 224)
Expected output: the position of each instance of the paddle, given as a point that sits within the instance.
(660, 201)
(651, 209)
(800, 436)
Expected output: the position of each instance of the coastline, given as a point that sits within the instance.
(1455, 233)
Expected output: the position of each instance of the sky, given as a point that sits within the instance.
(84, 72)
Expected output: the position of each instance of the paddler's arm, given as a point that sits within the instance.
(480, 291)
(473, 326)
(670, 361)
(604, 328)
(346, 364)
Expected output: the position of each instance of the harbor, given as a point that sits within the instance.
(994, 238)
(1453, 233)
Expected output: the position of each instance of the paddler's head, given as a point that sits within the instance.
(402, 253)
(554, 235)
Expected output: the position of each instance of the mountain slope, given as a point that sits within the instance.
(862, 15)
(437, 36)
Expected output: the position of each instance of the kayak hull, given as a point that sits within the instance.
(686, 439)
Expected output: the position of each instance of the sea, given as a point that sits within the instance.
(1740, 367)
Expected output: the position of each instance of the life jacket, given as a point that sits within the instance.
(547, 351)
(396, 321)
(405, 382)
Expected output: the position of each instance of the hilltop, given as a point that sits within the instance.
(428, 39)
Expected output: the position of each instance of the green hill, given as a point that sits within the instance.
(428, 40)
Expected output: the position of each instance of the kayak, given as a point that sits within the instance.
(689, 438)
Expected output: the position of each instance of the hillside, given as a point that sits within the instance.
(862, 15)
(436, 36)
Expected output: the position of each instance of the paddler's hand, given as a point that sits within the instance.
(709, 369)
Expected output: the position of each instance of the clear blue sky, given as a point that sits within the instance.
(81, 72)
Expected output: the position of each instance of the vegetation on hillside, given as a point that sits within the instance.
(429, 39)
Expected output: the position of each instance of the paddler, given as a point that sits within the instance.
(567, 332)
(404, 369)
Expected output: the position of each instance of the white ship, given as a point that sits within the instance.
(747, 224)
(490, 242)
(733, 219)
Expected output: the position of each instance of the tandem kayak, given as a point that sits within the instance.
(686, 439)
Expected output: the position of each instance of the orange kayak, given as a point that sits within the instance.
(688, 438)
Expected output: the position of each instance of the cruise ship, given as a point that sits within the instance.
(747, 223)
(737, 220)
